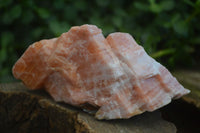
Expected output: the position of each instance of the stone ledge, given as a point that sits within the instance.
(22, 110)
(190, 80)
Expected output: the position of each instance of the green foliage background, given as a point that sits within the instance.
(168, 29)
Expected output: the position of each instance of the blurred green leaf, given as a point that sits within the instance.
(176, 17)
(27, 17)
(37, 32)
(154, 7)
(12, 14)
(80, 5)
(167, 5)
(43, 13)
(141, 6)
(102, 3)
(59, 4)
(195, 41)
(95, 19)
(15, 12)
(181, 28)
(108, 29)
(3, 55)
(58, 27)
(162, 53)
(70, 13)
(117, 21)
(6, 39)
(120, 12)
(5, 3)
(189, 2)
(197, 4)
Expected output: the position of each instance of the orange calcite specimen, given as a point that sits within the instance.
(114, 76)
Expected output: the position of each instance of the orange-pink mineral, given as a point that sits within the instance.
(113, 76)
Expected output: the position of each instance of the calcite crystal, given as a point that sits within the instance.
(114, 76)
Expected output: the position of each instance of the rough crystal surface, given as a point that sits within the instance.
(112, 75)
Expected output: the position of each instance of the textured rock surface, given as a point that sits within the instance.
(22, 110)
(114, 75)
(190, 80)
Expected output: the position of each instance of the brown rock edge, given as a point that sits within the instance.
(22, 110)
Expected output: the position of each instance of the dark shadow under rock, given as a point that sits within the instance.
(185, 116)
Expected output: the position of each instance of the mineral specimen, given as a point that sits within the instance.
(113, 76)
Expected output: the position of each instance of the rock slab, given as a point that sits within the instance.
(22, 110)
(190, 80)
